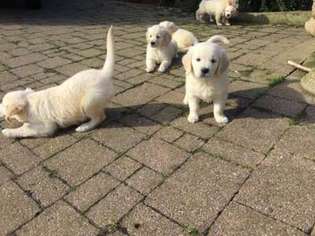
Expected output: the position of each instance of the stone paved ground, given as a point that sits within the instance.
(146, 171)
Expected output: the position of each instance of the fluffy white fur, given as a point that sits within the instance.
(183, 38)
(222, 10)
(81, 98)
(206, 65)
(160, 49)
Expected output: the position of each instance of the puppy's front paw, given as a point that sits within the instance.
(222, 119)
(162, 69)
(192, 118)
(8, 133)
(219, 24)
(149, 70)
(227, 23)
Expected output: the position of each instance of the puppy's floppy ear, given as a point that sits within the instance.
(187, 62)
(223, 63)
(17, 108)
(166, 38)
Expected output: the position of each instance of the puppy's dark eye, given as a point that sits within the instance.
(198, 59)
(213, 61)
(150, 36)
(158, 36)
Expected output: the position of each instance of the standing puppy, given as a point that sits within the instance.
(160, 49)
(81, 98)
(183, 38)
(222, 10)
(206, 65)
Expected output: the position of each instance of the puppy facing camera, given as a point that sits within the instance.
(160, 49)
(206, 65)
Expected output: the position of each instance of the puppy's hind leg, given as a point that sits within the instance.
(94, 110)
(30, 130)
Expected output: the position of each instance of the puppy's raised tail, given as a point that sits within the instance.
(108, 67)
(218, 39)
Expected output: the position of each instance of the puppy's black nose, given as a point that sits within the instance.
(204, 70)
(152, 43)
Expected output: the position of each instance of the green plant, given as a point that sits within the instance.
(276, 80)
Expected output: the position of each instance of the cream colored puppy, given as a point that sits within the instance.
(160, 49)
(81, 98)
(183, 38)
(206, 65)
(222, 10)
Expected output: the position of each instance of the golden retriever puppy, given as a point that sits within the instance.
(81, 98)
(222, 10)
(160, 49)
(183, 38)
(206, 65)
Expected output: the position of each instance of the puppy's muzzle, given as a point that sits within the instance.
(153, 44)
(204, 71)
(228, 15)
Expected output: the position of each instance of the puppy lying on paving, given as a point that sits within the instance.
(220, 9)
(160, 49)
(206, 65)
(80, 98)
(183, 38)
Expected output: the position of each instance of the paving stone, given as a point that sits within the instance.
(240, 220)
(59, 219)
(80, 161)
(144, 221)
(71, 69)
(198, 191)
(42, 186)
(255, 129)
(282, 188)
(27, 70)
(199, 129)
(123, 168)
(126, 139)
(308, 119)
(169, 134)
(16, 208)
(140, 95)
(141, 124)
(231, 152)
(114, 206)
(299, 141)
(247, 89)
(54, 145)
(6, 77)
(151, 108)
(167, 114)
(5, 175)
(91, 191)
(189, 142)
(158, 155)
(54, 62)
(92, 52)
(145, 180)
(25, 59)
(18, 158)
(279, 105)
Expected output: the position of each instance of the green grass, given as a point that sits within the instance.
(192, 231)
(276, 80)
